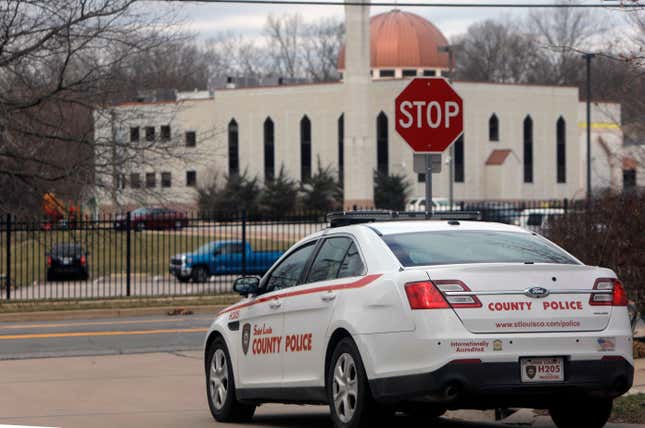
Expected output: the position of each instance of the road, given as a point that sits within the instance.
(97, 377)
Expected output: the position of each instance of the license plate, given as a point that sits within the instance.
(67, 261)
(535, 370)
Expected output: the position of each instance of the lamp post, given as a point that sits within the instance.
(449, 50)
(588, 57)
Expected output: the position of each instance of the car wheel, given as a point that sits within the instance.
(51, 277)
(178, 225)
(85, 276)
(592, 413)
(140, 227)
(183, 279)
(220, 387)
(200, 275)
(348, 391)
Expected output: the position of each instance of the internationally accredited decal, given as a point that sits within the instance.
(263, 341)
(469, 345)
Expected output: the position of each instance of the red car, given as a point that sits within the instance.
(153, 218)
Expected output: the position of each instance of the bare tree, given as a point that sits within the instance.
(284, 34)
(492, 51)
(321, 46)
(58, 61)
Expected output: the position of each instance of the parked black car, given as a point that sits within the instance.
(67, 260)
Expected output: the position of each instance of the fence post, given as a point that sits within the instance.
(565, 205)
(244, 242)
(128, 267)
(8, 271)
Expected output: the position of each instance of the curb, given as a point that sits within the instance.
(77, 314)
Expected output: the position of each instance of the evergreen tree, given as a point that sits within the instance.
(390, 191)
(238, 193)
(322, 192)
(279, 196)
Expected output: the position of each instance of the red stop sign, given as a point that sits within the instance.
(429, 115)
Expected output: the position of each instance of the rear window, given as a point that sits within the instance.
(458, 247)
(66, 250)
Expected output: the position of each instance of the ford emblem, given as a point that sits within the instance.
(537, 292)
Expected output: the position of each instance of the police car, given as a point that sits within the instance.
(385, 313)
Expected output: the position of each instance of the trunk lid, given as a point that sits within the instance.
(519, 298)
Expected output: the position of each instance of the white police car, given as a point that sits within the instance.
(420, 317)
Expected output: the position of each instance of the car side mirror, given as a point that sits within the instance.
(246, 285)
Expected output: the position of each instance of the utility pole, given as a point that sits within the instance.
(588, 57)
(449, 49)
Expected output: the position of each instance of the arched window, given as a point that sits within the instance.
(382, 158)
(493, 128)
(561, 150)
(458, 152)
(233, 148)
(341, 148)
(305, 148)
(269, 150)
(528, 150)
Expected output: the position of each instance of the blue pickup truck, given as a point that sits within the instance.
(221, 258)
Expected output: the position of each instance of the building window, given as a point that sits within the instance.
(459, 160)
(135, 180)
(421, 178)
(429, 73)
(528, 150)
(151, 180)
(150, 133)
(493, 128)
(305, 148)
(166, 179)
(561, 150)
(191, 178)
(165, 133)
(629, 179)
(191, 139)
(233, 148)
(409, 73)
(386, 73)
(382, 159)
(269, 149)
(341, 149)
(134, 134)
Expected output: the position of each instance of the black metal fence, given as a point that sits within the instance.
(173, 254)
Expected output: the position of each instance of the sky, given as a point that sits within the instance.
(211, 19)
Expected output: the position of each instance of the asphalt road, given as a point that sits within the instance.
(134, 372)
(102, 337)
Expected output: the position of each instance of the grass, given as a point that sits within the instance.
(629, 409)
(71, 305)
(150, 251)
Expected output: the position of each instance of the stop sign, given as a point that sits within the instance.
(429, 115)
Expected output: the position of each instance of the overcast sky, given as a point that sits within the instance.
(209, 19)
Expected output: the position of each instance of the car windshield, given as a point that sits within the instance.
(458, 247)
(66, 250)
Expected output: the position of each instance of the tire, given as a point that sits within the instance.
(51, 277)
(179, 225)
(84, 276)
(140, 227)
(200, 274)
(220, 386)
(183, 279)
(348, 392)
(591, 413)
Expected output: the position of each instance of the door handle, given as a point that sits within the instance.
(275, 304)
(328, 297)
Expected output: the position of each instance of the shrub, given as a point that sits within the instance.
(238, 193)
(279, 196)
(390, 191)
(609, 232)
(322, 192)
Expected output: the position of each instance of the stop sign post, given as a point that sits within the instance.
(429, 117)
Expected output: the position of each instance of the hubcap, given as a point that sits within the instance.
(218, 379)
(345, 388)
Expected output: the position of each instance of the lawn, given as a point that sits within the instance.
(629, 409)
(150, 251)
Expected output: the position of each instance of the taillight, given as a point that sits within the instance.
(83, 260)
(49, 261)
(457, 300)
(613, 293)
(424, 295)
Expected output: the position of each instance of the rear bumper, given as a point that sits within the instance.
(489, 385)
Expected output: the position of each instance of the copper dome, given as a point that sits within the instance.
(403, 39)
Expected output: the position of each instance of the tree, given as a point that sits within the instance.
(390, 191)
(58, 61)
(492, 51)
(322, 192)
(238, 193)
(279, 195)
